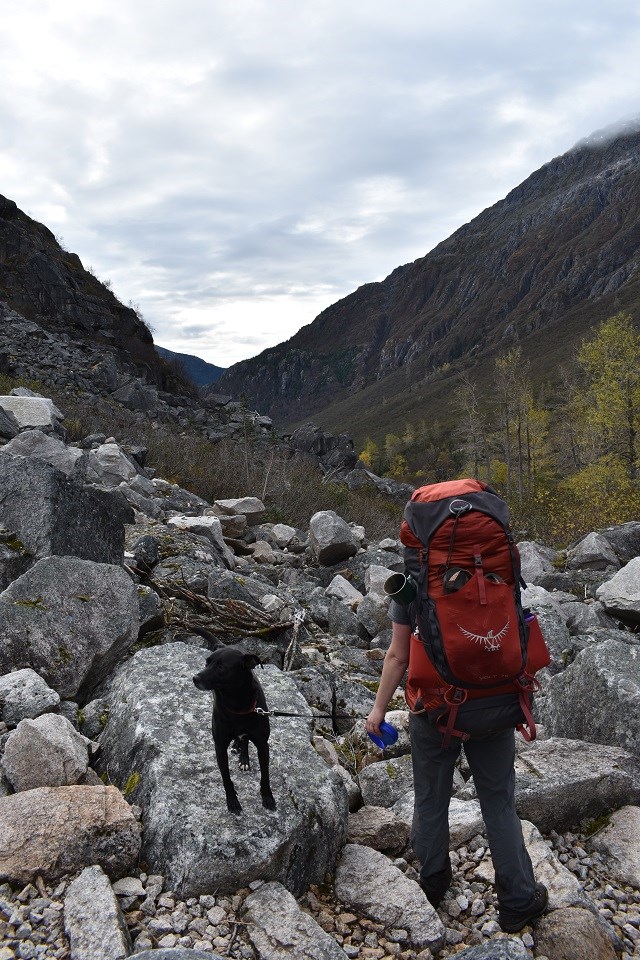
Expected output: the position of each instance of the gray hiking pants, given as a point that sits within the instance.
(491, 761)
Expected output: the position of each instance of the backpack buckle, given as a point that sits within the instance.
(457, 507)
(455, 696)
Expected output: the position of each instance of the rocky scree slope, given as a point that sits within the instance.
(114, 835)
(43, 282)
(558, 254)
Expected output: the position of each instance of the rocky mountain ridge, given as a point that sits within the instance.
(201, 373)
(148, 862)
(63, 329)
(538, 268)
(43, 282)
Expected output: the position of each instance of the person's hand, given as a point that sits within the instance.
(373, 721)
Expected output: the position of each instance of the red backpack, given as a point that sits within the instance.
(475, 650)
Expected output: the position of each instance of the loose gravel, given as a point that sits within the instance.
(32, 928)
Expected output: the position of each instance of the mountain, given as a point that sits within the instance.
(45, 284)
(197, 370)
(558, 254)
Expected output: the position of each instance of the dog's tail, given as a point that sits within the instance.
(190, 628)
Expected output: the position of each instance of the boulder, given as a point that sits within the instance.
(92, 718)
(283, 534)
(137, 396)
(93, 920)
(80, 617)
(597, 698)
(151, 609)
(56, 830)
(619, 841)
(593, 552)
(146, 552)
(504, 949)
(175, 953)
(625, 540)
(225, 585)
(262, 553)
(42, 446)
(341, 589)
(150, 507)
(157, 741)
(620, 596)
(535, 560)
(176, 498)
(30, 412)
(332, 539)
(343, 622)
(280, 930)
(51, 514)
(15, 559)
(352, 700)
(573, 934)
(317, 689)
(379, 828)
(555, 633)
(25, 695)
(372, 613)
(208, 527)
(189, 569)
(45, 752)
(109, 466)
(233, 525)
(9, 426)
(384, 783)
(250, 507)
(366, 882)
(561, 782)
(375, 578)
(587, 617)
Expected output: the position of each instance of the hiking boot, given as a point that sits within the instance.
(436, 887)
(512, 921)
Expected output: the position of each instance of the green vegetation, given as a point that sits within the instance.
(591, 827)
(37, 604)
(133, 781)
(13, 543)
(565, 457)
(564, 452)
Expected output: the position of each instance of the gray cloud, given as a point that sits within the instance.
(235, 168)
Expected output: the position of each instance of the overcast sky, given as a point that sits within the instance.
(235, 166)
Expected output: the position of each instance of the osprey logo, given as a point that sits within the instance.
(490, 641)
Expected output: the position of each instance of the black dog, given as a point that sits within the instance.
(237, 694)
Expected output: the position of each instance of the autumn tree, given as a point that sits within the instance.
(472, 428)
(610, 362)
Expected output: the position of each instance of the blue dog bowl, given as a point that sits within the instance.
(389, 736)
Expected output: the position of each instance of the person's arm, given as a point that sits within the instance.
(393, 670)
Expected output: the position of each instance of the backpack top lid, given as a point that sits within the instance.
(447, 488)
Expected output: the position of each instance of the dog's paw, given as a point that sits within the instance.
(245, 765)
(233, 805)
(268, 801)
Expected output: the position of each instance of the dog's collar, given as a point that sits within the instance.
(240, 713)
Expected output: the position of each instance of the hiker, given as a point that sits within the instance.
(436, 740)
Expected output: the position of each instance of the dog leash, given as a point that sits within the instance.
(314, 716)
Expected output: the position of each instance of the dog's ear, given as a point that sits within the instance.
(251, 661)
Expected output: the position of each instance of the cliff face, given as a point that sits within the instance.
(46, 284)
(559, 253)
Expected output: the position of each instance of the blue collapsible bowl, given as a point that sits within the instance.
(389, 736)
